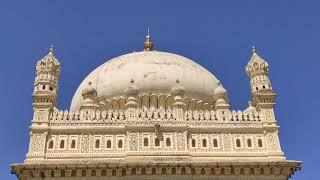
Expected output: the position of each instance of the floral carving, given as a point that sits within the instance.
(85, 143)
(37, 142)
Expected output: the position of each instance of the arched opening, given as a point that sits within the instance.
(183, 170)
(114, 172)
(145, 142)
(120, 143)
(63, 173)
(203, 172)
(61, 144)
(103, 172)
(97, 144)
(157, 142)
(193, 171)
(143, 171)
(238, 143)
(133, 171)
(73, 172)
(124, 171)
(193, 143)
(215, 143)
(204, 143)
(163, 171)
(109, 143)
(73, 144)
(50, 144)
(249, 143)
(93, 172)
(154, 171)
(168, 142)
(260, 143)
(173, 171)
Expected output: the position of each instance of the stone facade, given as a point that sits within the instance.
(159, 135)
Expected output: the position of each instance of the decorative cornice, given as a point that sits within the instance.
(273, 168)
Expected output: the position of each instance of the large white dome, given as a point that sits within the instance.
(153, 72)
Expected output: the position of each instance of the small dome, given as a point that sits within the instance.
(153, 72)
(250, 108)
(49, 63)
(177, 89)
(220, 90)
(89, 91)
(256, 65)
(132, 89)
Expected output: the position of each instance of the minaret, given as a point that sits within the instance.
(45, 86)
(44, 101)
(261, 88)
(263, 99)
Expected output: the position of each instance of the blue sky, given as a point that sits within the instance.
(216, 34)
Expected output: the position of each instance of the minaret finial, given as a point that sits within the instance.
(254, 50)
(51, 49)
(148, 45)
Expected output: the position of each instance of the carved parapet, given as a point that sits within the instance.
(107, 116)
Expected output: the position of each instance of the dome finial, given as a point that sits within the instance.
(51, 49)
(148, 45)
(254, 50)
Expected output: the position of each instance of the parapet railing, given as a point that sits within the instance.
(100, 116)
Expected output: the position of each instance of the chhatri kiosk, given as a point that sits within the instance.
(153, 115)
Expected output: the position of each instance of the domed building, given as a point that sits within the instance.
(153, 115)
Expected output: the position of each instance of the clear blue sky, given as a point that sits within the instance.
(218, 36)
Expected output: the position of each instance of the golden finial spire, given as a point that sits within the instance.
(51, 49)
(254, 50)
(148, 45)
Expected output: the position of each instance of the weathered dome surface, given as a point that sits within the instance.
(153, 72)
